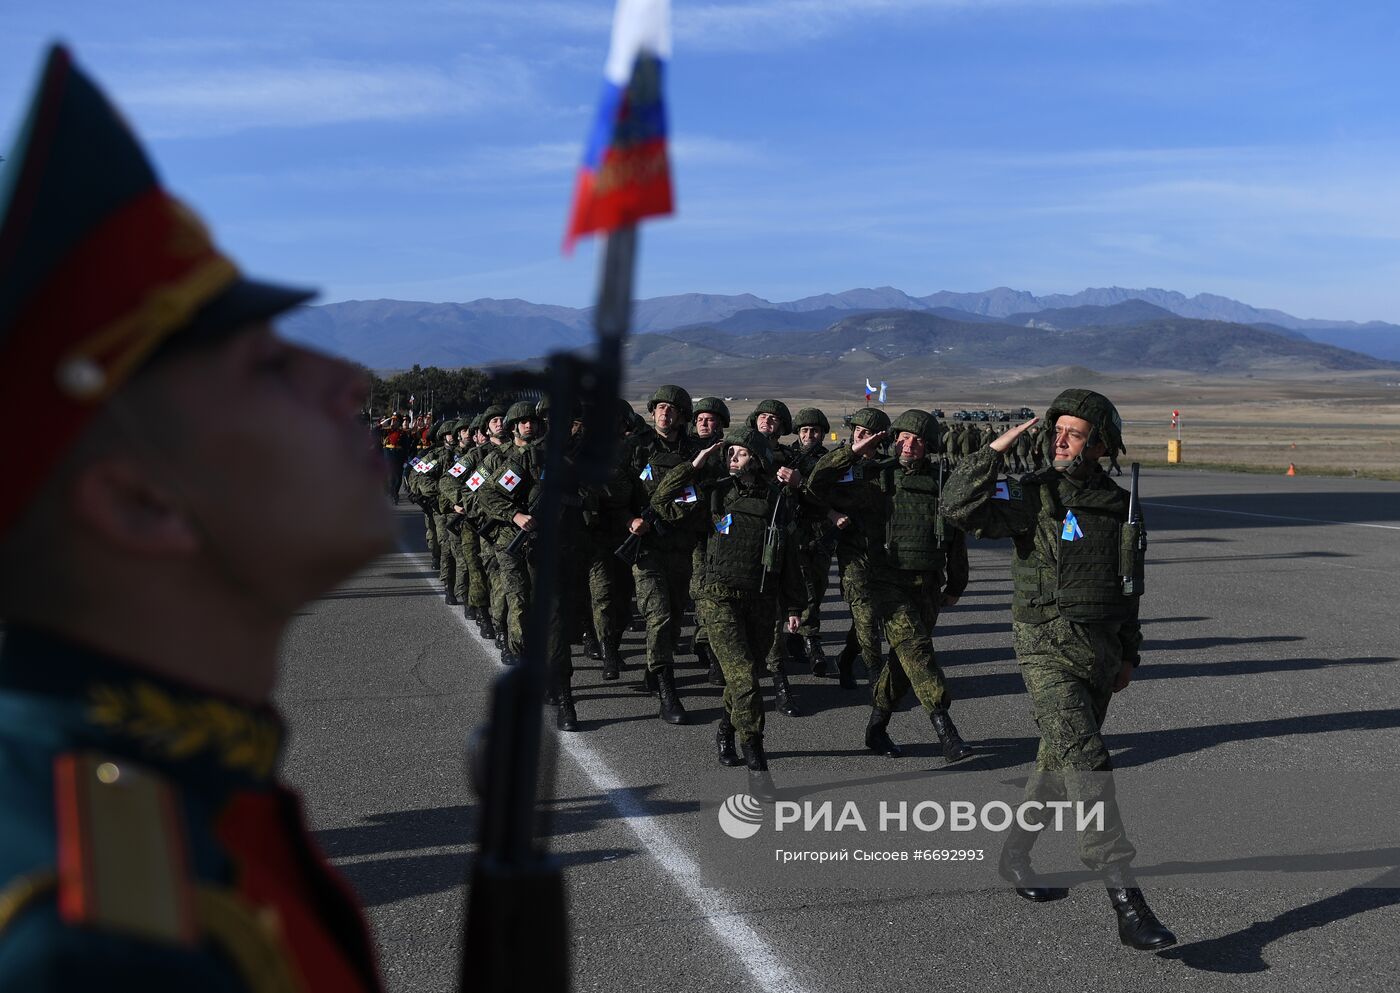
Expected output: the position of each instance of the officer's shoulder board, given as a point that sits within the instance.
(123, 852)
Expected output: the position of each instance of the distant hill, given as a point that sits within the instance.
(396, 333)
(910, 347)
(1123, 314)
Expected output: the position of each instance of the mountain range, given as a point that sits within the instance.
(394, 334)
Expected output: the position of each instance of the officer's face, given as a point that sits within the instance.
(1072, 437)
(664, 417)
(809, 435)
(706, 425)
(527, 428)
(859, 434)
(247, 506)
(495, 426)
(910, 445)
(464, 437)
(739, 459)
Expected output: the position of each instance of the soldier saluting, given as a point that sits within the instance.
(1076, 632)
(750, 577)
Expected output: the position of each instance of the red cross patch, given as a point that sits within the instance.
(510, 481)
(474, 481)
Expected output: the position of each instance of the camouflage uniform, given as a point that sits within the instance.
(746, 583)
(662, 572)
(1069, 663)
(510, 489)
(610, 586)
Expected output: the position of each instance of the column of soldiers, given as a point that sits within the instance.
(729, 528)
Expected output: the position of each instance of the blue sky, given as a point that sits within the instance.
(425, 149)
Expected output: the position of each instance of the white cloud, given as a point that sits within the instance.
(193, 102)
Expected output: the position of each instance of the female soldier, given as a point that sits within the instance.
(748, 574)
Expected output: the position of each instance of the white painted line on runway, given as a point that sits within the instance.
(1270, 517)
(750, 949)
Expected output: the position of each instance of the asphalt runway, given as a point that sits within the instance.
(1272, 642)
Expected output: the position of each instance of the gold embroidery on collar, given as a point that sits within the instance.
(181, 729)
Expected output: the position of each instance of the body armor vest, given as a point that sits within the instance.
(913, 534)
(735, 559)
(1083, 583)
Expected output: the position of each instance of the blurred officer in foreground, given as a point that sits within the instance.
(1075, 630)
(151, 558)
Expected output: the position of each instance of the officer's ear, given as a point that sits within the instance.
(115, 499)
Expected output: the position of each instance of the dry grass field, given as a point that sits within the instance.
(1343, 424)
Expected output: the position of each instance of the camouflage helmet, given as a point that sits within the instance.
(919, 422)
(1093, 407)
(491, 413)
(478, 423)
(542, 409)
(522, 410)
(712, 405)
(675, 396)
(871, 418)
(445, 428)
(779, 410)
(755, 441)
(811, 417)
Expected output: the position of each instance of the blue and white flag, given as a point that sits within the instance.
(1071, 529)
(646, 474)
(883, 387)
(722, 525)
(849, 477)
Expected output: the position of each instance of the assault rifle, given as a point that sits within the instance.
(630, 549)
(772, 538)
(516, 929)
(1132, 549)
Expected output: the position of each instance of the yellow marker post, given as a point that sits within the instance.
(1174, 451)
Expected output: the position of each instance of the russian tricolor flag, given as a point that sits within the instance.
(626, 174)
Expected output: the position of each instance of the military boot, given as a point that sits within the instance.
(452, 600)
(877, 739)
(551, 695)
(783, 700)
(845, 666)
(816, 655)
(724, 743)
(567, 719)
(470, 612)
(954, 747)
(437, 557)
(612, 664)
(591, 648)
(760, 782)
(672, 711)
(795, 648)
(509, 656)
(501, 639)
(1138, 926)
(648, 683)
(1015, 867)
(716, 673)
(484, 625)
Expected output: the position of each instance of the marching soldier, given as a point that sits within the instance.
(427, 474)
(813, 554)
(855, 498)
(152, 556)
(498, 444)
(710, 419)
(1076, 632)
(749, 576)
(610, 583)
(505, 501)
(662, 572)
(773, 420)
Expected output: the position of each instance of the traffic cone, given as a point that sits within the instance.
(1291, 470)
